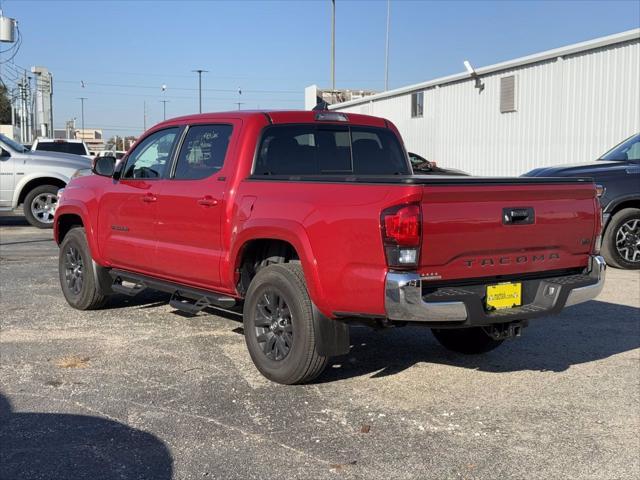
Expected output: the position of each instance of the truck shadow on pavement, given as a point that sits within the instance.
(581, 334)
(63, 446)
(9, 220)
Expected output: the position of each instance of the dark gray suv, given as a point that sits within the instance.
(618, 171)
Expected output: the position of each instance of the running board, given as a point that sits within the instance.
(189, 305)
(186, 299)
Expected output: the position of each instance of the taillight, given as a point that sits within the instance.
(597, 244)
(401, 235)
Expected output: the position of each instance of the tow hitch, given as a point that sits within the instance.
(502, 331)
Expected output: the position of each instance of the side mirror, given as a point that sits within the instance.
(104, 166)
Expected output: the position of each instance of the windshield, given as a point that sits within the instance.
(62, 147)
(629, 150)
(13, 145)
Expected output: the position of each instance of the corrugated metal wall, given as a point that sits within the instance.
(569, 109)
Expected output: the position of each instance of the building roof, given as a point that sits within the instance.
(600, 42)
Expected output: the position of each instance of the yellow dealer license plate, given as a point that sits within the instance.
(504, 295)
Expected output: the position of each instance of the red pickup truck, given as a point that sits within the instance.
(309, 221)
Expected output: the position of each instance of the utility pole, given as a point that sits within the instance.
(82, 99)
(164, 109)
(239, 104)
(23, 110)
(200, 72)
(333, 44)
(386, 50)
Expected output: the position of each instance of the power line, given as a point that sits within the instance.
(178, 97)
(15, 47)
(189, 89)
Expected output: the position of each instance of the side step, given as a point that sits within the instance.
(127, 287)
(187, 299)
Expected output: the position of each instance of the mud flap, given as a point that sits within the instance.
(102, 279)
(332, 336)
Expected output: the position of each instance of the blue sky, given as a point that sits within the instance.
(124, 51)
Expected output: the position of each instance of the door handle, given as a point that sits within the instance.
(149, 197)
(518, 216)
(208, 201)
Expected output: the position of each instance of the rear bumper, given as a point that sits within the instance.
(408, 299)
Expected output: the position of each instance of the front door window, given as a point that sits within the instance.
(151, 157)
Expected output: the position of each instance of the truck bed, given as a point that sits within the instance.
(424, 179)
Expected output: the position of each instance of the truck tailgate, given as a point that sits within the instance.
(479, 230)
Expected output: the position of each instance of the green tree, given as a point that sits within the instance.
(5, 106)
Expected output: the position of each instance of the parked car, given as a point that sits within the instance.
(618, 171)
(72, 146)
(33, 179)
(422, 166)
(309, 221)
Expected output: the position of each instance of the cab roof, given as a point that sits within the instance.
(280, 117)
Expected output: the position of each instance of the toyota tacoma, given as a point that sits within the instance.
(307, 222)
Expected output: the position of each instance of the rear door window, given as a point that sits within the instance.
(203, 151)
(310, 149)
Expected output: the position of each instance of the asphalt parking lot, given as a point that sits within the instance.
(139, 391)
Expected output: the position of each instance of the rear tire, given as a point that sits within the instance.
(75, 270)
(278, 325)
(40, 204)
(466, 340)
(620, 240)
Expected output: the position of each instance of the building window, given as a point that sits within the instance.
(417, 104)
(508, 94)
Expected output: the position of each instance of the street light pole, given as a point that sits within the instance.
(333, 44)
(164, 109)
(386, 51)
(82, 99)
(200, 72)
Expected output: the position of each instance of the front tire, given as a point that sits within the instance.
(466, 340)
(75, 270)
(40, 206)
(278, 326)
(621, 240)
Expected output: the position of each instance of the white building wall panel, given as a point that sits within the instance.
(568, 109)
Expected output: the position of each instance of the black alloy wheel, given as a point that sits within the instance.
(274, 325)
(74, 269)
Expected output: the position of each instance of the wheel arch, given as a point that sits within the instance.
(629, 201)
(71, 214)
(289, 244)
(64, 223)
(29, 183)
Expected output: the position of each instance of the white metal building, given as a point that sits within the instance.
(565, 105)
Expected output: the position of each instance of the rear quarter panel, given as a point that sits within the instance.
(336, 231)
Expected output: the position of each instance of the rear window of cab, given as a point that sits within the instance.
(62, 147)
(312, 149)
